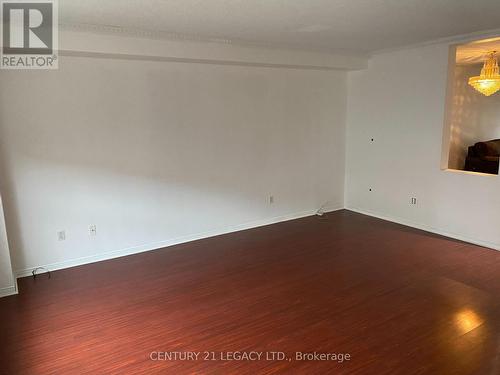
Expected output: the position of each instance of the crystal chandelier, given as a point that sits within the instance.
(488, 82)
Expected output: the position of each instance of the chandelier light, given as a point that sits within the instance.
(488, 82)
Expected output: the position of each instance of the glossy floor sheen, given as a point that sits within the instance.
(398, 300)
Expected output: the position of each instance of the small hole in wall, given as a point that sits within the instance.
(370, 189)
(372, 139)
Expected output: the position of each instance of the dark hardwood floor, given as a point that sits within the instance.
(398, 300)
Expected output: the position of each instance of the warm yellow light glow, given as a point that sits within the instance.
(467, 320)
(488, 82)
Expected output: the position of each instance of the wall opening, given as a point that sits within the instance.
(472, 125)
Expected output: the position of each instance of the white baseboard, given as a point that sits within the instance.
(175, 241)
(8, 291)
(427, 228)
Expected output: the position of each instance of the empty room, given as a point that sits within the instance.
(250, 187)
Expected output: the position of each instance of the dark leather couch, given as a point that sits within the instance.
(483, 157)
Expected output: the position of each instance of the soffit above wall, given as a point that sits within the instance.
(103, 42)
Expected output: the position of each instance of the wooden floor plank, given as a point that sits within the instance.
(398, 300)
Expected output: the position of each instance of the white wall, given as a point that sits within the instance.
(473, 116)
(399, 101)
(157, 152)
(7, 282)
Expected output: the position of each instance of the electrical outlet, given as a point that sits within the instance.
(413, 201)
(92, 230)
(61, 236)
(271, 199)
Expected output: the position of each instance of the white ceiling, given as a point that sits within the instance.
(356, 25)
(477, 52)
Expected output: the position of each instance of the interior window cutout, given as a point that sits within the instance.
(472, 126)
